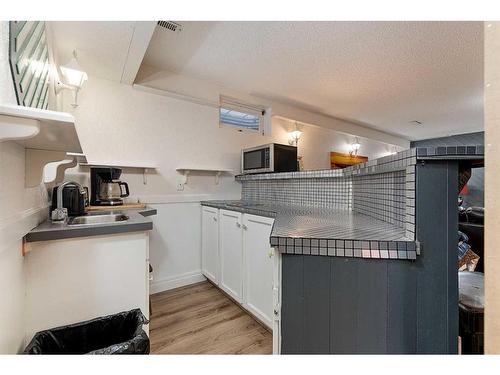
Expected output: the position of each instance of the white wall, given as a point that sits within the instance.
(492, 181)
(20, 210)
(118, 124)
(175, 251)
(16, 219)
(316, 143)
(180, 85)
(12, 283)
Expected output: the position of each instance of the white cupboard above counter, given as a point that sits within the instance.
(237, 257)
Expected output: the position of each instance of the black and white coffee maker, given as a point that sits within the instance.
(105, 188)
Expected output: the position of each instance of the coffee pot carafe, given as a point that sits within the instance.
(112, 191)
(106, 189)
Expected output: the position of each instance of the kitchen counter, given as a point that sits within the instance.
(329, 232)
(138, 221)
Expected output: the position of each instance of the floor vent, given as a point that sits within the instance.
(171, 26)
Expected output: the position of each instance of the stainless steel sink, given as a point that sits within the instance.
(97, 219)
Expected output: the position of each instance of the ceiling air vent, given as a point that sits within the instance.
(171, 26)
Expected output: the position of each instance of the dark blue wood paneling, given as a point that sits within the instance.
(292, 310)
(353, 305)
(316, 306)
(401, 308)
(343, 305)
(436, 215)
(372, 307)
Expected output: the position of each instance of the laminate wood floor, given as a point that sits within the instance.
(200, 319)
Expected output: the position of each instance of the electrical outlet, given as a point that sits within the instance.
(180, 186)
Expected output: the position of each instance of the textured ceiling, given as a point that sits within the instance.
(382, 74)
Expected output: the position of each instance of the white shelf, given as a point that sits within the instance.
(39, 129)
(185, 171)
(135, 166)
(78, 156)
(82, 161)
(222, 170)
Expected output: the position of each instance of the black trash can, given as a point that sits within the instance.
(120, 333)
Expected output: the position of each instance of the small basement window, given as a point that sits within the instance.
(240, 116)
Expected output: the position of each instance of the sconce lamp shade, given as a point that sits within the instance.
(295, 135)
(73, 73)
(354, 147)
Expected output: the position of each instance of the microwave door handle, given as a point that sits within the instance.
(271, 157)
(242, 161)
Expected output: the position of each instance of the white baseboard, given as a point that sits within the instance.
(168, 283)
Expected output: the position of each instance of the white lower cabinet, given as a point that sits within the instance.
(258, 267)
(244, 258)
(210, 243)
(231, 254)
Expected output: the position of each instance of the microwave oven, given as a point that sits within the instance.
(272, 157)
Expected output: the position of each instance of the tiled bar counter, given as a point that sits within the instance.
(368, 253)
(365, 211)
(328, 232)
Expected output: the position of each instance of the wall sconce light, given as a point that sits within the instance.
(74, 76)
(294, 135)
(354, 147)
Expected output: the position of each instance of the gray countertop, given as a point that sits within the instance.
(138, 221)
(313, 231)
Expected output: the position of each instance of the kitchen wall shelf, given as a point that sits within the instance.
(79, 157)
(46, 135)
(134, 166)
(145, 168)
(185, 172)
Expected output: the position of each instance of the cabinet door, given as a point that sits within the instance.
(258, 263)
(210, 243)
(231, 246)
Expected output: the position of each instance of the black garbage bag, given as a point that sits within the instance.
(120, 333)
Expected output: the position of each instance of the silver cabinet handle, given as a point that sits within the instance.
(238, 225)
(244, 227)
(215, 219)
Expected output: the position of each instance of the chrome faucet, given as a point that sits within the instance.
(61, 213)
